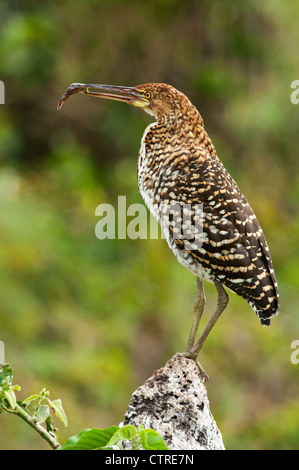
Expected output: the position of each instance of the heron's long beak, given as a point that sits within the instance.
(119, 93)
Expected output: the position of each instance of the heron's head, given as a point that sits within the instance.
(157, 99)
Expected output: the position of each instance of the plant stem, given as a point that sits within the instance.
(19, 411)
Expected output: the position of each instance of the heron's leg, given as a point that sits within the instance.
(221, 304)
(199, 306)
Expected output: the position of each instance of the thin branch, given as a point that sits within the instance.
(19, 411)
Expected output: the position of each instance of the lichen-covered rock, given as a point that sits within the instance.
(174, 402)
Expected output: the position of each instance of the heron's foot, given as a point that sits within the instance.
(189, 355)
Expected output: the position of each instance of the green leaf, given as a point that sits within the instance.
(151, 440)
(122, 434)
(140, 428)
(29, 399)
(56, 405)
(42, 413)
(50, 424)
(6, 375)
(9, 395)
(90, 439)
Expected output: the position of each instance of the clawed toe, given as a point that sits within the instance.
(189, 355)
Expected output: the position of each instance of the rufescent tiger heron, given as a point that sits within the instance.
(207, 222)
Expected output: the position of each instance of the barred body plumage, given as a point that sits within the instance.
(178, 165)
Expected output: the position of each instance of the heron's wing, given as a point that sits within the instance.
(231, 247)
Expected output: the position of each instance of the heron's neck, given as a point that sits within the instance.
(185, 129)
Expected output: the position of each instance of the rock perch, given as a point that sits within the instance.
(174, 402)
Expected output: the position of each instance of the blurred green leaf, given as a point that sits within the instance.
(6, 375)
(122, 434)
(151, 440)
(42, 413)
(56, 405)
(89, 439)
(30, 399)
(9, 395)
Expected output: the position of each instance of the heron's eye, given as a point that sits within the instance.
(147, 95)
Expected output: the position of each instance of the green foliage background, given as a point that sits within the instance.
(90, 320)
